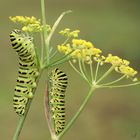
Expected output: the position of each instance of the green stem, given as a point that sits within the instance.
(86, 72)
(47, 37)
(113, 82)
(61, 60)
(45, 34)
(43, 12)
(42, 50)
(91, 72)
(66, 41)
(105, 75)
(82, 73)
(75, 69)
(120, 86)
(96, 72)
(48, 112)
(19, 127)
(79, 72)
(55, 26)
(22, 118)
(77, 113)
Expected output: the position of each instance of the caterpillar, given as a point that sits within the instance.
(28, 70)
(58, 85)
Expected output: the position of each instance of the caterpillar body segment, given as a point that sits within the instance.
(19, 104)
(28, 82)
(58, 85)
(23, 91)
(28, 70)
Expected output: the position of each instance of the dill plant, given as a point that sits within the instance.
(83, 57)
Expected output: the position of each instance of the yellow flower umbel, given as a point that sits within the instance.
(127, 70)
(85, 52)
(121, 65)
(80, 49)
(29, 24)
(25, 20)
(69, 34)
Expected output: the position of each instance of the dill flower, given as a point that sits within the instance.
(121, 65)
(64, 48)
(114, 60)
(29, 24)
(81, 42)
(25, 20)
(80, 49)
(127, 70)
(32, 28)
(68, 33)
(100, 59)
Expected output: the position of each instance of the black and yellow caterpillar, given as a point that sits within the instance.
(58, 85)
(28, 70)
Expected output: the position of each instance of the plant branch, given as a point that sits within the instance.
(48, 113)
(120, 86)
(82, 72)
(91, 73)
(96, 72)
(22, 118)
(77, 113)
(105, 74)
(113, 82)
(45, 33)
(47, 40)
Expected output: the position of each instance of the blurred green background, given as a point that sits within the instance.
(112, 114)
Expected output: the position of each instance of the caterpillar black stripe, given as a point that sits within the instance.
(58, 85)
(27, 72)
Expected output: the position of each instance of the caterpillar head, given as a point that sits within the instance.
(16, 36)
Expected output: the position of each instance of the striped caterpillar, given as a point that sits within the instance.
(27, 72)
(58, 85)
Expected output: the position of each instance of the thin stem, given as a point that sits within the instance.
(57, 62)
(38, 57)
(120, 86)
(55, 26)
(52, 55)
(43, 12)
(78, 72)
(47, 112)
(19, 127)
(45, 34)
(113, 82)
(22, 118)
(75, 69)
(66, 41)
(60, 60)
(77, 113)
(85, 70)
(91, 72)
(105, 74)
(42, 49)
(82, 72)
(96, 72)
